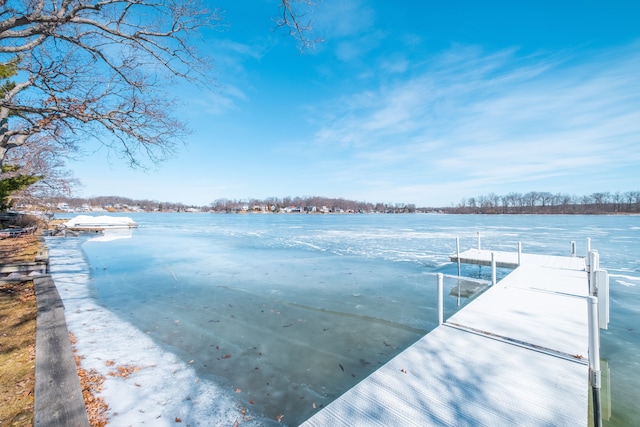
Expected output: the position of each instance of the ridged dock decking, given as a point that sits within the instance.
(516, 355)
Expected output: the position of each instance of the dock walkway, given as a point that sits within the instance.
(510, 259)
(516, 355)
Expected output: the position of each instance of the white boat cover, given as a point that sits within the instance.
(106, 221)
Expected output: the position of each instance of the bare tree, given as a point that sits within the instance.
(532, 198)
(98, 70)
(545, 198)
(95, 70)
(616, 199)
(40, 163)
(292, 14)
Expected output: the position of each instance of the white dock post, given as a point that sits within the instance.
(493, 268)
(602, 287)
(519, 253)
(594, 263)
(586, 258)
(441, 298)
(573, 248)
(594, 359)
(479, 240)
(458, 253)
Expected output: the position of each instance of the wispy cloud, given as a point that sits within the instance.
(220, 100)
(232, 63)
(338, 19)
(491, 118)
(347, 26)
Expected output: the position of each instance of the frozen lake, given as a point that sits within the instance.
(267, 318)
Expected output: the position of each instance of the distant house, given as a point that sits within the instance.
(292, 209)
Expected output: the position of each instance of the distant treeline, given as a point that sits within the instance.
(115, 202)
(547, 203)
(512, 203)
(271, 204)
(310, 204)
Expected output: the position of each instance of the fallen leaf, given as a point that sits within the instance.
(124, 371)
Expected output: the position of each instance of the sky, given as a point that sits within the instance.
(422, 102)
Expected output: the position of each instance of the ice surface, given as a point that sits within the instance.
(163, 388)
(230, 316)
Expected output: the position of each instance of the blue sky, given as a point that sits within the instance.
(422, 102)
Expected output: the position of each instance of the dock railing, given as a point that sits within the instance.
(517, 333)
(598, 301)
(597, 309)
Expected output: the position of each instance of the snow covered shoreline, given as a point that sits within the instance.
(161, 389)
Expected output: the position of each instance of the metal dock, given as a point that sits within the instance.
(516, 355)
(515, 259)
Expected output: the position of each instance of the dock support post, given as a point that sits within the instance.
(586, 258)
(519, 253)
(479, 240)
(458, 257)
(594, 360)
(602, 287)
(573, 249)
(458, 253)
(493, 268)
(441, 298)
(594, 265)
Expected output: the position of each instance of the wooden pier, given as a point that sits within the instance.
(516, 355)
(18, 272)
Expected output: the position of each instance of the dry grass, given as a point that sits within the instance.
(18, 342)
(19, 249)
(17, 337)
(17, 353)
